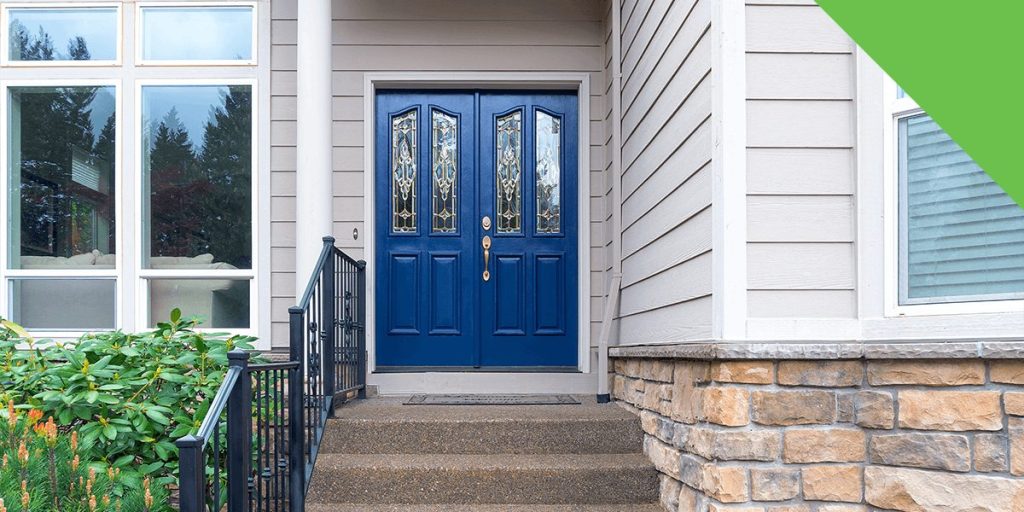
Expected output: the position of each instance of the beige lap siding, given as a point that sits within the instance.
(426, 35)
(792, 435)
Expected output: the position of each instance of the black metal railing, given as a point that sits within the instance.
(256, 447)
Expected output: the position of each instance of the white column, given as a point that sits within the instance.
(313, 197)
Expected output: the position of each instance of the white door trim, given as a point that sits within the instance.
(579, 82)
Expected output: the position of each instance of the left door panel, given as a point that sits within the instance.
(424, 185)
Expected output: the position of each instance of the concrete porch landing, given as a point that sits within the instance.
(380, 455)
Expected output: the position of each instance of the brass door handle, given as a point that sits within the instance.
(486, 243)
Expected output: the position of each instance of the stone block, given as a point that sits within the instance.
(833, 374)
(655, 393)
(759, 445)
(686, 396)
(658, 370)
(949, 452)
(663, 456)
(926, 373)
(805, 446)
(714, 507)
(1013, 403)
(669, 492)
(691, 471)
(846, 407)
(649, 422)
(990, 453)
(727, 484)
(833, 483)
(1007, 372)
(774, 484)
(619, 388)
(743, 372)
(874, 409)
(919, 491)
(729, 406)
(697, 440)
(786, 408)
(842, 507)
(950, 410)
(790, 508)
(1016, 431)
(688, 500)
(632, 368)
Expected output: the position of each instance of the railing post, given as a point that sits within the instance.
(361, 340)
(239, 433)
(296, 414)
(191, 477)
(328, 317)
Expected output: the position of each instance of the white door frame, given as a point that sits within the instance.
(453, 382)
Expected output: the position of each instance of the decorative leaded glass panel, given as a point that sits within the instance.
(403, 173)
(549, 173)
(509, 173)
(445, 164)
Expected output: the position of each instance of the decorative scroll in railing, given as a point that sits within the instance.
(258, 443)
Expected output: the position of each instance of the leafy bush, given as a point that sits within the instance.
(129, 396)
(43, 469)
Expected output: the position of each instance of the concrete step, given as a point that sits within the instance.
(334, 507)
(375, 427)
(553, 479)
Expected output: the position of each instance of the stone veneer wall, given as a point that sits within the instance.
(805, 435)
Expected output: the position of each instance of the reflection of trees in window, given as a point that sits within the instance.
(39, 46)
(67, 173)
(201, 196)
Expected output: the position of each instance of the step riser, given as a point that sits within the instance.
(508, 486)
(512, 437)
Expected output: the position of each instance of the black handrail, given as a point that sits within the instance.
(272, 443)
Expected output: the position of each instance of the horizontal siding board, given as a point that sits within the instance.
(688, 280)
(690, 158)
(640, 33)
(666, 52)
(796, 266)
(800, 76)
(685, 321)
(679, 244)
(690, 198)
(800, 123)
(800, 219)
(800, 171)
(467, 32)
(794, 29)
(465, 58)
(802, 303)
(468, 10)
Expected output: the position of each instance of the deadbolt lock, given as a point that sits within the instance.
(485, 222)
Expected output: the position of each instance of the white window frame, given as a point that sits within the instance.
(140, 61)
(7, 274)
(896, 109)
(144, 275)
(129, 76)
(5, 36)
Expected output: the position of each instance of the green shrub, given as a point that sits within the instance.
(129, 396)
(44, 469)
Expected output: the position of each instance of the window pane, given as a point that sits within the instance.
(403, 172)
(64, 304)
(964, 237)
(61, 185)
(197, 33)
(37, 34)
(549, 173)
(509, 172)
(197, 177)
(445, 172)
(220, 303)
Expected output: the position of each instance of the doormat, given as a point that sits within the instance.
(491, 400)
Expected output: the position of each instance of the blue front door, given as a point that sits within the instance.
(476, 219)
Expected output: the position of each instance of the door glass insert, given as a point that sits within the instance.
(403, 173)
(509, 172)
(445, 172)
(549, 173)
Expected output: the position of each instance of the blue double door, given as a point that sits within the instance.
(476, 242)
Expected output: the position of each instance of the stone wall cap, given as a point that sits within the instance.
(815, 351)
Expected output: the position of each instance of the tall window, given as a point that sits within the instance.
(960, 236)
(119, 211)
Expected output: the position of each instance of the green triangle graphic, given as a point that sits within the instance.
(962, 61)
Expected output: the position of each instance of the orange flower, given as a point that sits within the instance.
(92, 502)
(74, 465)
(25, 498)
(106, 500)
(74, 441)
(23, 453)
(3, 508)
(148, 497)
(12, 415)
(34, 416)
